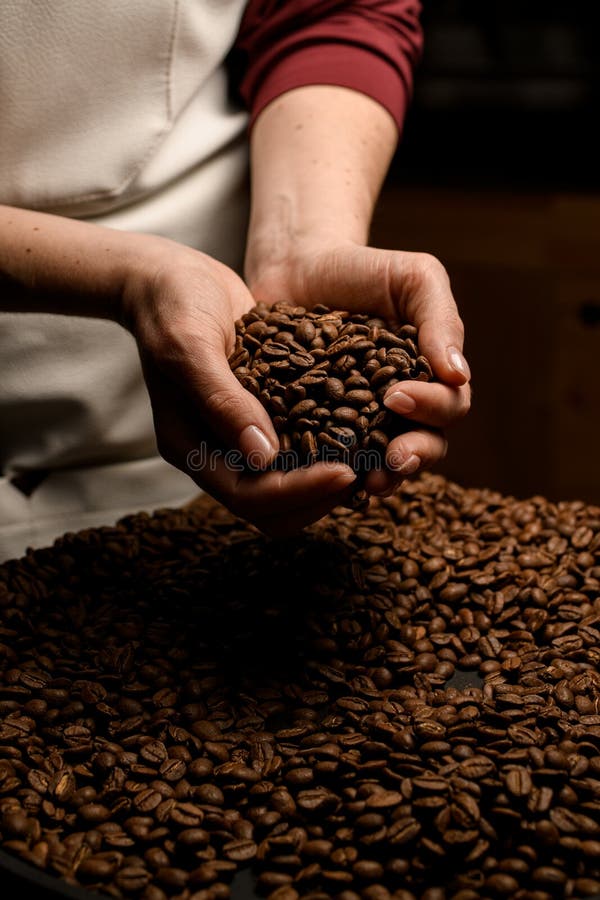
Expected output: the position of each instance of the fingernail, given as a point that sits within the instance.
(399, 402)
(409, 466)
(256, 447)
(458, 362)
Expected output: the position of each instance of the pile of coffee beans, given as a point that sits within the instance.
(181, 697)
(322, 375)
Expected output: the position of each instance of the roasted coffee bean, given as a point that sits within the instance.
(334, 390)
(518, 781)
(299, 777)
(240, 851)
(344, 415)
(284, 892)
(132, 878)
(384, 799)
(172, 769)
(199, 769)
(587, 887)
(94, 813)
(154, 752)
(172, 878)
(209, 793)
(370, 870)
(95, 869)
(270, 881)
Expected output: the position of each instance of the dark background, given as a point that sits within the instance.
(497, 175)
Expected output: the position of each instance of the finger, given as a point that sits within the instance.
(406, 455)
(259, 495)
(234, 414)
(435, 404)
(421, 285)
(420, 449)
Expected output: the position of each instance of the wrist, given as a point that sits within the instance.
(146, 264)
(287, 259)
(166, 284)
(53, 264)
(292, 228)
(318, 157)
(314, 271)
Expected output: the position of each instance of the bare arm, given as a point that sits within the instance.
(59, 265)
(319, 156)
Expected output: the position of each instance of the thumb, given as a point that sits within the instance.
(413, 287)
(237, 417)
(232, 413)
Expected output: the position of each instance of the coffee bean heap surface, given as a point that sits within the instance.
(322, 375)
(181, 696)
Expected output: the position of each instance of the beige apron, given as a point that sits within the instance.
(116, 113)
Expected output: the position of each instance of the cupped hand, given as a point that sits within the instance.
(182, 311)
(398, 286)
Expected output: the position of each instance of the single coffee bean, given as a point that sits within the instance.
(209, 793)
(93, 813)
(95, 869)
(132, 878)
(518, 782)
(172, 878)
(172, 769)
(501, 884)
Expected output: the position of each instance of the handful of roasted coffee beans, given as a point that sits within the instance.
(322, 375)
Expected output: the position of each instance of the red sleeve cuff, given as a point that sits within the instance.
(337, 64)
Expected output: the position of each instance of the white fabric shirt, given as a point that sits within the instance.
(116, 113)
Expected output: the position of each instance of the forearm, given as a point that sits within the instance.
(59, 265)
(318, 158)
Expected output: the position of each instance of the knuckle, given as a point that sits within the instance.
(436, 453)
(222, 400)
(396, 455)
(450, 320)
(428, 266)
(455, 322)
(432, 446)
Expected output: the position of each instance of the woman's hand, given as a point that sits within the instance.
(406, 287)
(181, 306)
(182, 311)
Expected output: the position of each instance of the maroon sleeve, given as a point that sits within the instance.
(367, 45)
